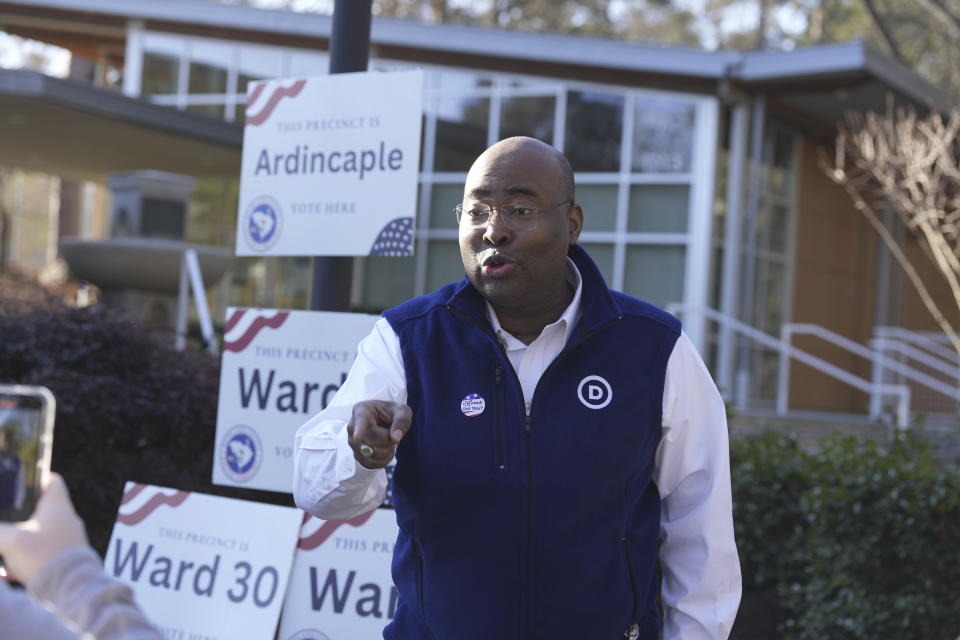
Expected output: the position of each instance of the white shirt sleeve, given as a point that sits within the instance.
(327, 481)
(698, 553)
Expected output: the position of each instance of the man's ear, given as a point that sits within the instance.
(575, 222)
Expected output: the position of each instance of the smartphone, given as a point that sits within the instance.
(26, 445)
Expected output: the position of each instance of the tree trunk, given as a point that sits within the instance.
(884, 29)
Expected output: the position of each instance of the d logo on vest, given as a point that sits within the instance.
(594, 392)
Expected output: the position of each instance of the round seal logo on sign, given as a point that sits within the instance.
(309, 634)
(594, 392)
(262, 223)
(241, 453)
(473, 405)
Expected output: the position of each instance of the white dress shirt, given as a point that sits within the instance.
(701, 570)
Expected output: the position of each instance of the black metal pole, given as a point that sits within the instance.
(349, 51)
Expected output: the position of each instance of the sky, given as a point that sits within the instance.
(14, 53)
(741, 17)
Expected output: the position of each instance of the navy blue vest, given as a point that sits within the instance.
(529, 527)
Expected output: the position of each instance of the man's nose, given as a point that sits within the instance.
(497, 230)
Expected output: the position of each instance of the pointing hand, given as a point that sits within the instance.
(375, 429)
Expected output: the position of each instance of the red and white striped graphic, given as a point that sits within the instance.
(263, 101)
(140, 500)
(243, 325)
(315, 532)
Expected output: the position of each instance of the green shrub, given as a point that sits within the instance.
(129, 407)
(858, 540)
(881, 544)
(769, 477)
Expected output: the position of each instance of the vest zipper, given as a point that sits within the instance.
(634, 590)
(527, 429)
(423, 608)
(498, 409)
(501, 462)
(529, 448)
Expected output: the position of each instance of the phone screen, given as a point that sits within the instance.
(22, 453)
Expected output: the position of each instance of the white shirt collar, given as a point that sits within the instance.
(565, 323)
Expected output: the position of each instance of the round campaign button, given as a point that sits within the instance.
(473, 405)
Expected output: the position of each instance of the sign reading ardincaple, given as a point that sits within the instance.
(330, 165)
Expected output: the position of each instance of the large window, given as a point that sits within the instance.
(644, 163)
(594, 130)
(211, 76)
(635, 157)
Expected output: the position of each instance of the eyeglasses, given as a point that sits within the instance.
(519, 217)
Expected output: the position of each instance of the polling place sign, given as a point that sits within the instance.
(330, 165)
(341, 588)
(204, 567)
(278, 368)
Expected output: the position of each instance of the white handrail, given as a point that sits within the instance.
(190, 277)
(916, 354)
(935, 354)
(935, 343)
(878, 358)
(786, 350)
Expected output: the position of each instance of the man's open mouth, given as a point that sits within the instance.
(497, 265)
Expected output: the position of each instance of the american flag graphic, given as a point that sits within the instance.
(140, 500)
(243, 325)
(263, 101)
(315, 532)
(395, 239)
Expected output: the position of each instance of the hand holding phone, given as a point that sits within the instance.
(53, 528)
(26, 439)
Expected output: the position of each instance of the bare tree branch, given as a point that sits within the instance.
(907, 266)
(909, 164)
(940, 8)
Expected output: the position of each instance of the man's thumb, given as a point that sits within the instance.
(400, 424)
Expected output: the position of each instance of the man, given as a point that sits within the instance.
(551, 438)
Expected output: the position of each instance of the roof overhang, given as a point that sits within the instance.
(815, 87)
(812, 86)
(83, 132)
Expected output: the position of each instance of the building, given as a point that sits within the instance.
(699, 171)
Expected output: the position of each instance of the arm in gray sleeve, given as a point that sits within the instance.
(327, 481)
(24, 618)
(75, 587)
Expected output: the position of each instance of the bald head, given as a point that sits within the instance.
(524, 145)
(521, 269)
